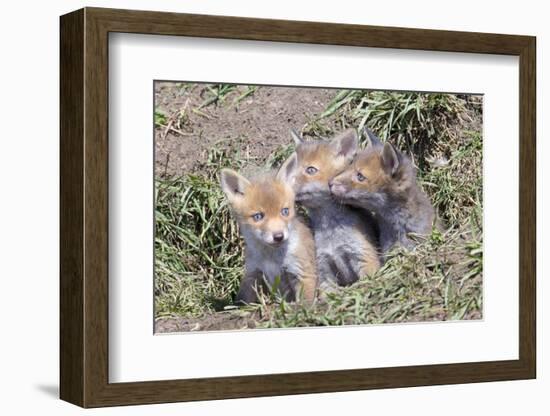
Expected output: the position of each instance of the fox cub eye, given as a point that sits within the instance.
(311, 170)
(258, 216)
(360, 177)
(284, 212)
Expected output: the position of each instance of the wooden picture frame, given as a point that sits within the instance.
(84, 207)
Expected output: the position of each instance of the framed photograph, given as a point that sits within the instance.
(255, 207)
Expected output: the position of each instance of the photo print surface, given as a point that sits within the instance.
(282, 207)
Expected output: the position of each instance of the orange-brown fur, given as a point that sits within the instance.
(344, 239)
(382, 181)
(322, 156)
(291, 260)
(267, 195)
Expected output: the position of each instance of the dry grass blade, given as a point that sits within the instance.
(199, 254)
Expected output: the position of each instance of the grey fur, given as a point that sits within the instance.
(264, 264)
(342, 234)
(339, 248)
(401, 209)
(372, 140)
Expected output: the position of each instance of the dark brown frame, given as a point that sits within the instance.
(84, 208)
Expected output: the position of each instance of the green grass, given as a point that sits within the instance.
(427, 127)
(456, 186)
(199, 254)
(198, 251)
(219, 94)
(160, 118)
(439, 280)
(205, 95)
(421, 124)
(216, 94)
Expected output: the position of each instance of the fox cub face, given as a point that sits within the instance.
(264, 207)
(378, 175)
(318, 162)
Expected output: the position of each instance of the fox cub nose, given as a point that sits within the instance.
(278, 237)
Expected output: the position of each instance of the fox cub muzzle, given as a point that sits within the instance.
(279, 248)
(382, 180)
(345, 240)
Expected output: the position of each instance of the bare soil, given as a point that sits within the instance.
(263, 118)
(194, 122)
(226, 321)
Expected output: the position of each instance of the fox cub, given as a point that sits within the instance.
(382, 180)
(278, 246)
(345, 241)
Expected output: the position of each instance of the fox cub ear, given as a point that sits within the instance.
(390, 158)
(372, 140)
(298, 140)
(233, 184)
(345, 144)
(288, 169)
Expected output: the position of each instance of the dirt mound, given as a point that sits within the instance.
(263, 118)
(226, 321)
